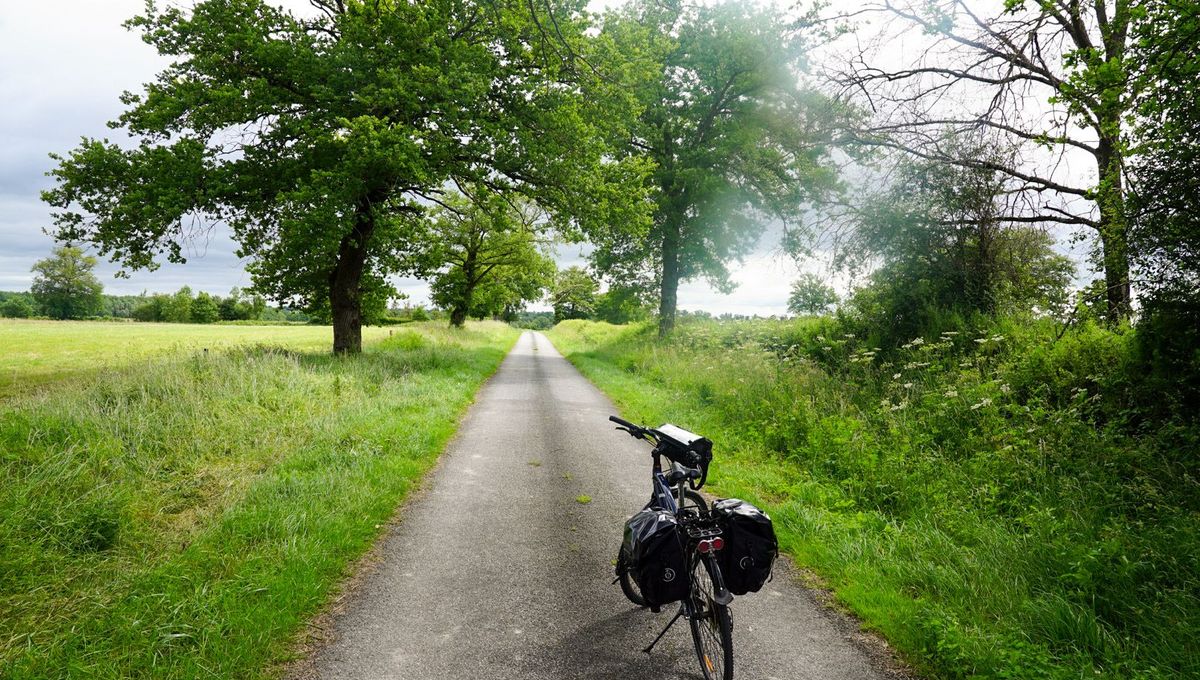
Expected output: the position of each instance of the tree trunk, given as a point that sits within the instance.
(345, 283)
(460, 309)
(1110, 197)
(669, 288)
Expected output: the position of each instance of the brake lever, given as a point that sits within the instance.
(630, 432)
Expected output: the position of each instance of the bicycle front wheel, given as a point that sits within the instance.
(712, 626)
(625, 578)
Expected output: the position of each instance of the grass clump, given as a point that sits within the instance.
(996, 501)
(184, 517)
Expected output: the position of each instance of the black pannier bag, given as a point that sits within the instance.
(656, 557)
(750, 545)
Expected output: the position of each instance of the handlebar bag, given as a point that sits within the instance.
(685, 448)
(654, 544)
(750, 545)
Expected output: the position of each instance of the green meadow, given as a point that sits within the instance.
(180, 513)
(35, 353)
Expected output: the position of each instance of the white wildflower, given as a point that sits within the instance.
(895, 376)
(908, 386)
(951, 393)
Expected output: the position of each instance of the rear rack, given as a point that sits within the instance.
(698, 531)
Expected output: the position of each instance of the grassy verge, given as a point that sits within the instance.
(38, 352)
(965, 496)
(184, 517)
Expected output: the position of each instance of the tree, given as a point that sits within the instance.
(730, 133)
(16, 308)
(204, 308)
(488, 256)
(1051, 77)
(64, 286)
(321, 139)
(1165, 210)
(622, 304)
(574, 294)
(941, 241)
(237, 306)
(811, 295)
(177, 308)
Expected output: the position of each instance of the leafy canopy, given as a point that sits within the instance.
(574, 294)
(733, 136)
(321, 138)
(64, 286)
(811, 295)
(489, 257)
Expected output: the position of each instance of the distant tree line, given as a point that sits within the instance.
(65, 287)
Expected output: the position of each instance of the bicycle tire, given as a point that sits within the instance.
(691, 498)
(711, 624)
(628, 586)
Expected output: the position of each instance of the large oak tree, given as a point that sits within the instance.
(321, 138)
(732, 135)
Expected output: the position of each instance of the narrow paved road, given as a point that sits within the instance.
(498, 572)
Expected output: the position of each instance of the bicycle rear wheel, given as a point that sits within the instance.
(712, 626)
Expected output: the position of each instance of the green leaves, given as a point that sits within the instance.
(320, 137)
(64, 286)
(490, 257)
(723, 122)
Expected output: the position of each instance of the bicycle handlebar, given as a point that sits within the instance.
(625, 423)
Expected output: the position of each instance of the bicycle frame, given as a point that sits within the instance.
(666, 498)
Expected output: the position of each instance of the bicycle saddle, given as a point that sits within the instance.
(679, 473)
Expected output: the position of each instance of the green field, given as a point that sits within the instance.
(977, 498)
(185, 515)
(34, 353)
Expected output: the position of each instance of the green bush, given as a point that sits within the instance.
(16, 308)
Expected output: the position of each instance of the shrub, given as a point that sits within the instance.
(16, 308)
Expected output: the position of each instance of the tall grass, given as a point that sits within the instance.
(971, 495)
(184, 517)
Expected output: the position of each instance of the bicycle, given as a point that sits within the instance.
(706, 604)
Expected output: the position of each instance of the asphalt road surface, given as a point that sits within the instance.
(497, 571)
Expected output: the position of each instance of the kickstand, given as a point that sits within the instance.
(664, 630)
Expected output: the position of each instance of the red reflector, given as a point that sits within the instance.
(718, 543)
(710, 545)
